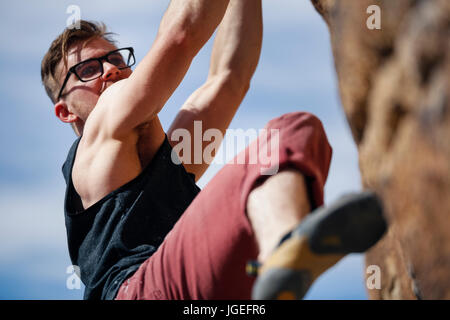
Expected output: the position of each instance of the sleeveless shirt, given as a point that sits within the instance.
(110, 240)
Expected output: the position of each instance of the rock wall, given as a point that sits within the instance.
(394, 85)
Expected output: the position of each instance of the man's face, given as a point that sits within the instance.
(80, 97)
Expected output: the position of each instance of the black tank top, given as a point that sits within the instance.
(111, 239)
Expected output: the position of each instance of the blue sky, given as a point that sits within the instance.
(295, 73)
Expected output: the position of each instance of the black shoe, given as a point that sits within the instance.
(354, 223)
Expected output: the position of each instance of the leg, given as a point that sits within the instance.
(205, 254)
(276, 207)
(277, 210)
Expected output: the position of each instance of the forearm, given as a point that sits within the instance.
(193, 21)
(238, 42)
(234, 59)
(184, 29)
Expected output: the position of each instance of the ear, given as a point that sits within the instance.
(63, 113)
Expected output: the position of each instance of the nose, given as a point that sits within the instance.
(110, 72)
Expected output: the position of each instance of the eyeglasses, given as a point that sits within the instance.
(92, 69)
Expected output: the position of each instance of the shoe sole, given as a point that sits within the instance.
(352, 224)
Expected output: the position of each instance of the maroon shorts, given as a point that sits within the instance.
(205, 254)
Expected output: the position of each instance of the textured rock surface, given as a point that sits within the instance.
(395, 85)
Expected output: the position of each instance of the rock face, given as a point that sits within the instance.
(394, 85)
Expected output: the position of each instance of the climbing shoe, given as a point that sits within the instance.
(354, 223)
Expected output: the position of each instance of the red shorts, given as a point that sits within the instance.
(205, 254)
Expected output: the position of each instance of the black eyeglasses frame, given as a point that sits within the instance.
(100, 59)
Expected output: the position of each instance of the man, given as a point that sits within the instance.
(138, 226)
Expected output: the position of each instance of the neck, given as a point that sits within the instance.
(78, 128)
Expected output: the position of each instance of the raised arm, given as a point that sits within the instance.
(234, 58)
(185, 28)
